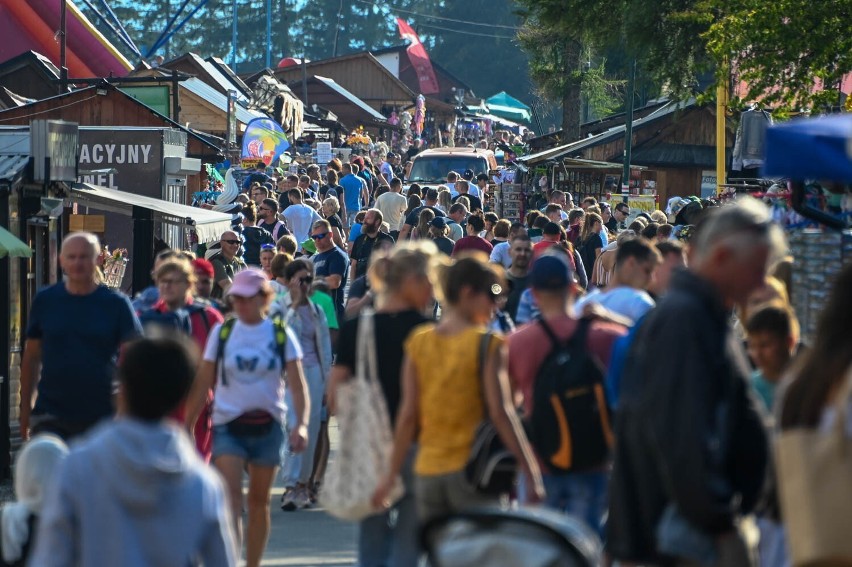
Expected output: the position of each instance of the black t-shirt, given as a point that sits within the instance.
(444, 244)
(333, 262)
(414, 216)
(587, 252)
(611, 225)
(362, 249)
(338, 192)
(270, 228)
(392, 329)
(516, 289)
(334, 221)
(358, 288)
(254, 236)
(475, 202)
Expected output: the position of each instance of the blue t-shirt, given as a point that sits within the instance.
(352, 186)
(80, 338)
(329, 263)
(355, 232)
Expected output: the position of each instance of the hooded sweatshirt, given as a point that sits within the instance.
(135, 494)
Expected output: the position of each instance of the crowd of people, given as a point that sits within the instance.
(629, 365)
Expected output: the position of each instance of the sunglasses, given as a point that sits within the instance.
(234, 242)
(319, 236)
(307, 280)
(267, 247)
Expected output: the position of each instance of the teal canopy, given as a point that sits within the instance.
(505, 105)
(11, 246)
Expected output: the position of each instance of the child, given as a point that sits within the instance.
(770, 346)
(135, 492)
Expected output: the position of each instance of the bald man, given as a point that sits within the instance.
(74, 334)
(226, 263)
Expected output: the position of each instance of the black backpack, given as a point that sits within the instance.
(570, 424)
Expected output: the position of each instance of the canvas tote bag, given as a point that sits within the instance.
(366, 440)
(815, 490)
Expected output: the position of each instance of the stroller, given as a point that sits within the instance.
(494, 537)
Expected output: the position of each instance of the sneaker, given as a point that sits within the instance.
(288, 500)
(301, 498)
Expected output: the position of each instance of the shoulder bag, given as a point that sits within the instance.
(366, 441)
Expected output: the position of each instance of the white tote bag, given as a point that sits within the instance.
(366, 440)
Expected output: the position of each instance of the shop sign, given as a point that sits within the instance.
(126, 160)
(88, 223)
(56, 141)
(708, 184)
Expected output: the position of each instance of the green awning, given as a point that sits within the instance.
(505, 105)
(11, 246)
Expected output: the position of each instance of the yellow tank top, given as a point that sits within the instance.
(450, 403)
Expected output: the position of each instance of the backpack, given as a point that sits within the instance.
(570, 423)
(180, 320)
(225, 332)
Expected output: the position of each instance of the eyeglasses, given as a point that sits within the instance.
(234, 242)
(319, 236)
(624, 212)
(267, 247)
(307, 280)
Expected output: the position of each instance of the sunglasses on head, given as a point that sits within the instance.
(319, 236)
(234, 242)
(267, 247)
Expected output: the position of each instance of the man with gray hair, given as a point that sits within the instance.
(692, 452)
(74, 333)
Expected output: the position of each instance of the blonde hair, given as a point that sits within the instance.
(332, 203)
(176, 265)
(391, 267)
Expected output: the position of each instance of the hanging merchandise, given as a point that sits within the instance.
(419, 115)
(751, 134)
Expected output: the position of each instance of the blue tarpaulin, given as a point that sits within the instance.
(810, 148)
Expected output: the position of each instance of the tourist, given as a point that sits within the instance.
(226, 263)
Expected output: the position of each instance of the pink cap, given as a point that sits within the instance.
(248, 283)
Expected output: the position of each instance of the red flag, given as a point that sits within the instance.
(419, 59)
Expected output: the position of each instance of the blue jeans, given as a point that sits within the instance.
(260, 450)
(297, 467)
(581, 494)
(391, 539)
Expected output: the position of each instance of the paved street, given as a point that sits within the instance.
(309, 537)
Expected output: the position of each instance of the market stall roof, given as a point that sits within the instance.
(494, 118)
(209, 225)
(11, 245)
(810, 148)
(330, 83)
(505, 105)
(220, 101)
(603, 137)
(12, 166)
(578, 163)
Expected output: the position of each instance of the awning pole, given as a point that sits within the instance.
(721, 137)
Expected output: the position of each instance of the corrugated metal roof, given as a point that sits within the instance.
(217, 76)
(220, 101)
(12, 166)
(330, 83)
(603, 137)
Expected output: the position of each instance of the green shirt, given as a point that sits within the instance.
(326, 303)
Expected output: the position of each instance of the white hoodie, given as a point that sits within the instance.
(135, 494)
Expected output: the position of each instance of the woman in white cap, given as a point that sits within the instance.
(37, 463)
(246, 359)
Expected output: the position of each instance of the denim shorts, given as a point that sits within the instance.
(261, 450)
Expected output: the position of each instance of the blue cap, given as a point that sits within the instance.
(551, 272)
(438, 222)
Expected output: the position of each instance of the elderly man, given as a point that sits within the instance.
(226, 263)
(74, 333)
(692, 452)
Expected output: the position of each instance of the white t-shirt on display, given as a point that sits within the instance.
(254, 378)
(300, 219)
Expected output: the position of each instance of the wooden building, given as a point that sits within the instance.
(106, 105)
(359, 73)
(676, 142)
(29, 76)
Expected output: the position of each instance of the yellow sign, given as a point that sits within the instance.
(88, 223)
(645, 203)
(250, 163)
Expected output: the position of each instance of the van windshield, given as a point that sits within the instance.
(434, 169)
